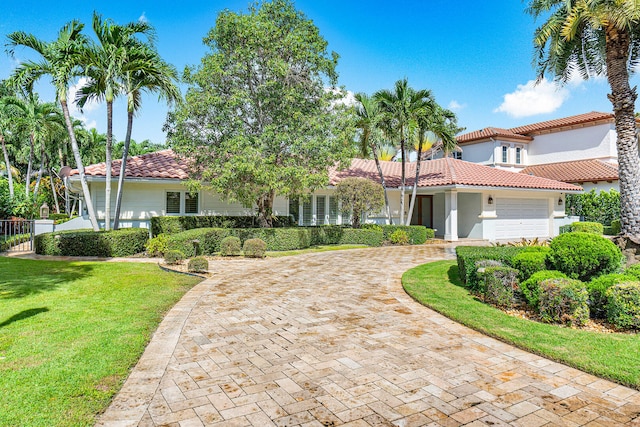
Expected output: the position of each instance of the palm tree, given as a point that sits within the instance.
(436, 123)
(6, 121)
(369, 118)
(596, 37)
(107, 63)
(92, 145)
(61, 59)
(153, 75)
(401, 109)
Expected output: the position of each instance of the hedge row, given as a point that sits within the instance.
(276, 239)
(468, 256)
(178, 224)
(115, 243)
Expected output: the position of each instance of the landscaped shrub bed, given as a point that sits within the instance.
(597, 289)
(564, 301)
(588, 227)
(530, 261)
(500, 286)
(623, 305)
(531, 287)
(417, 233)
(468, 256)
(115, 243)
(177, 224)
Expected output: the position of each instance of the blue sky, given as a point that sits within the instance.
(474, 56)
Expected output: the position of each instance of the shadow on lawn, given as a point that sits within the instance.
(25, 314)
(453, 275)
(22, 277)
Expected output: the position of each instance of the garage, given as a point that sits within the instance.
(517, 218)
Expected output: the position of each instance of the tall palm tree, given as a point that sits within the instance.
(61, 59)
(107, 63)
(153, 75)
(369, 118)
(92, 145)
(434, 124)
(6, 121)
(596, 37)
(401, 109)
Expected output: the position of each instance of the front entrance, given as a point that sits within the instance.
(423, 211)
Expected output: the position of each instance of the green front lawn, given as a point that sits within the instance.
(70, 332)
(613, 356)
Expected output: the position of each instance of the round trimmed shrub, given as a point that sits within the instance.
(254, 248)
(597, 292)
(198, 264)
(633, 270)
(588, 227)
(623, 305)
(399, 237)
(564, 301)
(584, 256)
(158, 245)
(230, 246)
(529, 262)
(531, 287)
(174, 257)
(500, 286)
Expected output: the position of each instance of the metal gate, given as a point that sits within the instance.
(16, 235)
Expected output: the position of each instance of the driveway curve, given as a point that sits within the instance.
(329, 339)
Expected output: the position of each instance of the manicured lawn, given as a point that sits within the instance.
(613, 356)
(70, 332)
(325, 248)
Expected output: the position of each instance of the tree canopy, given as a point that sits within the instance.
(262, 115)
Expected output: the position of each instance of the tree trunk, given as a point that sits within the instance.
(415, 185)
(29, 166)
(40, 172)
(76, 154)
(7, 164)
(53, 187)
(402, 156)
(265, 210)
(384, 185)
(623, 99)
(123, 170)
(107, 179)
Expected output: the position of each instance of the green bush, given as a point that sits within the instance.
(565, 229)
(597, 289)
(633, 270)
(587, 227)
(616, 227)
(254, 248)
(602, 206)
(177, 224)
(417, 233)
(208, 241)
(623, 305)
(230, 246)
(352, 236)
(531, 287)
(174, 257)
(399, 237)
(198, 264)
(530, 261)
(157, 246)
(584, 255)
(114, 243)
(467, 257)
(564, 301)
(367, 226)
(500, 285)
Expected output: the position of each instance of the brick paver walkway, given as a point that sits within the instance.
(330, 339)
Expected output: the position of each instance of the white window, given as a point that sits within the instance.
(321, 202)
(457, 155)
(518, 155)
(333, 210)
(316, 210)
(307, 211)
(505, 154)
(182, 202)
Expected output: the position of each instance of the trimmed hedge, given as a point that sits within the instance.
(597, 289)
(230, 246)
(198, 264)
(623, 305)
(467, 257)
(564, 301)
(114, 243)
(531, 287)
(616, 227)
(529, 262)
(254, 248)
(174, 257)
(177, 224)
(588, 227)
(417, 234)
(500, 285)
(633, 270)
(584, 256)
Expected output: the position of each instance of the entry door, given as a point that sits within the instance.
(423, 211)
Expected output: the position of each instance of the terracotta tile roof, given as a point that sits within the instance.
(440, 172)
(161, 164)
(523, 132)
(491, 132)
(591, 170)
(448, 172)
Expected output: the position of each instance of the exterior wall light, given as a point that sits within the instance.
(560, 201)
(44, 211)
(490, 200)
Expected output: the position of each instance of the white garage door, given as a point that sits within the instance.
(519, 218)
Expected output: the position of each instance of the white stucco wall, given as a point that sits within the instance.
(469, 212)
(592, 142)
(600, 186)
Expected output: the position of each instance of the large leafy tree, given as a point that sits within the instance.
(596, 37)
(402, 108)
(61, 59)
(107, 63)
(258, 119)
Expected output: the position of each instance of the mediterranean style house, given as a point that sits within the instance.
(578, 149)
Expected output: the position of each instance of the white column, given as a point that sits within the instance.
(451, 215)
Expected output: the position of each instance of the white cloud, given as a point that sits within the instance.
(531, 99)
(348, 98)
(88, 107)
(143, 18)
(455, 105)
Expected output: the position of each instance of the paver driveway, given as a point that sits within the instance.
(330, 339)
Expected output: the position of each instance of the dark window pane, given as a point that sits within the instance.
(191, 203)
(173, 202)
